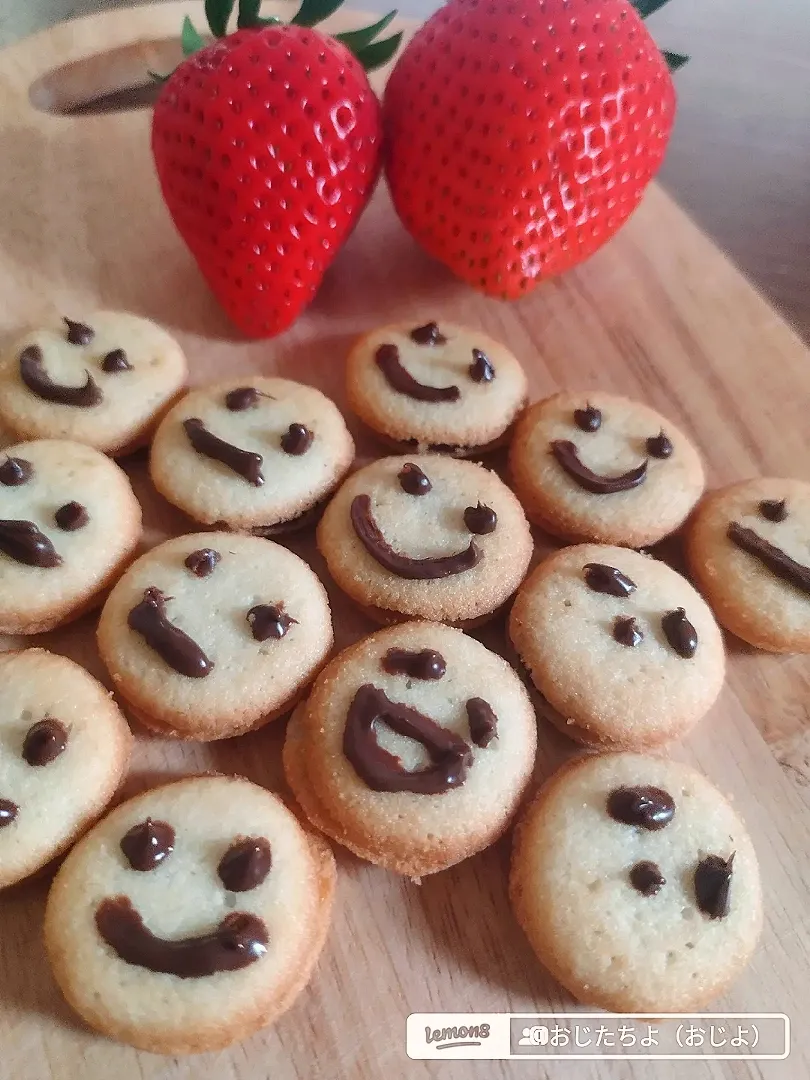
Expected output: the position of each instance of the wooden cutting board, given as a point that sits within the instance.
(659, 314)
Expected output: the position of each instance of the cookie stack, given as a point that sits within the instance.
(415, 746)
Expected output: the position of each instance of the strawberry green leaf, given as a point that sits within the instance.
(674, 60)
(155, 77)
(648, 7)
(218, 12)
(314, 11)
(379, 52)
(190, 39)
(248, 14)
(358, 39)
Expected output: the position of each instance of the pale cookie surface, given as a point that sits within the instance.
(64, 746)
(603, 468)
(191, 916)
(414, 747)
(749, 551)
(636, 884)
(104, 381)
(624, 650)
(213, 634)
(251, 452)
(426, 537)
(435, 386)
(69, 522)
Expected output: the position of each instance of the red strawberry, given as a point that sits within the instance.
(267, 145)
(522, 133)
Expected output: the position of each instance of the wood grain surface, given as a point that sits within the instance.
(659, 314)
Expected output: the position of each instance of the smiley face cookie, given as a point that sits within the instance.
(623, 649)
(603, 468)
(69, 522)
(636, 884)
(214, 634)
(435, 387)
(251, 454)
(104, 381)
(430, 537)
(414, 748)
(191, 916)
(749, 551)
(64, 746)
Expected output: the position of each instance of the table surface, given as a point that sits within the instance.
(658, 314)
(740, 154)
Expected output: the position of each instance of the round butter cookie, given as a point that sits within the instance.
(427, 537)
(604, 468)
(104, 381)
(214, 634)
(413, 748)
(636, 884)
(251, 454)
(623, 649)
(64, 746)
(69, 523)
(436, 387)
(748, 547)
(191, 916)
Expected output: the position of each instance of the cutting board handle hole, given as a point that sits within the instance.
(111, 81)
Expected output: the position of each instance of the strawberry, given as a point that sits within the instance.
(267, 145)
(522, 133)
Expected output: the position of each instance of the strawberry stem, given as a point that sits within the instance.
(314, 11)
(649, 7)
(379, 52)
(371, 54)
(674, 60)
(358, 39)
(218, 12)
(190, 39)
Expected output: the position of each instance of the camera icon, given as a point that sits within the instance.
(534, 1036)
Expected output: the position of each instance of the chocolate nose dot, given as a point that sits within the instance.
(588, 419)
(44, 742)
(148, 844)
(245, 864)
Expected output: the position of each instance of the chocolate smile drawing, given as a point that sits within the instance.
(442, 539)
(603, 468)
(450, 755)
(568, 457)
(777, 561)
(372, 539)
(68, 519)
(238, 940)
(566, 453)
(103, 381)
(191, 915)
(39, 382)
(748, 547)
(435, 388)
(258, 457)
(243, 462)
(213, 634)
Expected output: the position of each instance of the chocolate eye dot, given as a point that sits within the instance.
(45, 741)
(71, 516)
(115, 361)
(774, 509)
(660, 446)
(245, 864)
(412, 480)
(15, 471)
(588, 419)
(296, 440)
(148, 844)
